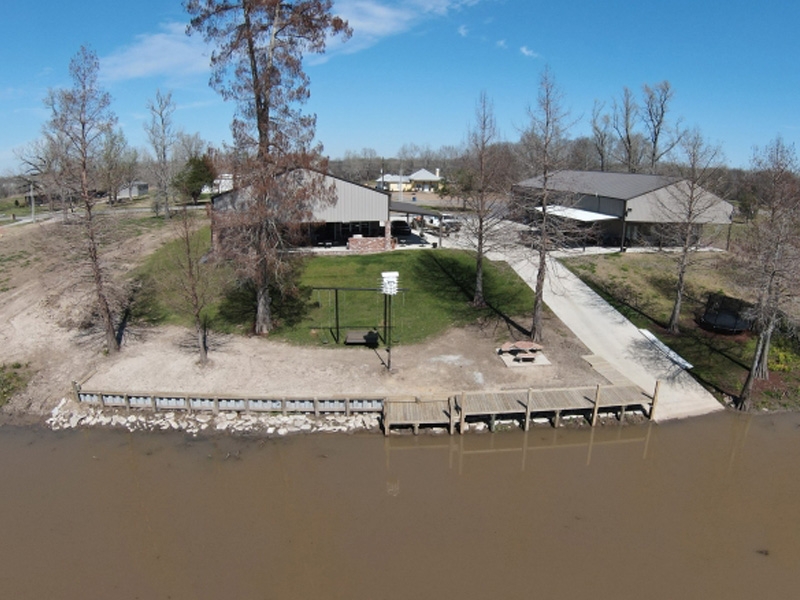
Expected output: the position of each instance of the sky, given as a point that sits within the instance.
(413, 70)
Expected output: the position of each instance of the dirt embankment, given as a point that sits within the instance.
(37, 316)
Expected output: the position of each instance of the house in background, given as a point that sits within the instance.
(425, 181)
(358, 218)
(223, 183)
(626, 207)
(136, 189)
(419, 181)
(393, 183)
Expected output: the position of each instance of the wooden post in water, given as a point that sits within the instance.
(596, 405)
(528, 413)
(385, 418)
(655, 400)
(463, 415)
(451, 409)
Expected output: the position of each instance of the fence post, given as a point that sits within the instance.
(528, 410)
(463, 421)
(655, 400)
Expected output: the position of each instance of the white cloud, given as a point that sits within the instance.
(170, 52)
(528, 52)
(373, 20)
(463, 31)
(502, 44)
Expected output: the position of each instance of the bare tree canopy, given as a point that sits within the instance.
(481, 184)
(161, 133)
(660, 136)
(258, 64)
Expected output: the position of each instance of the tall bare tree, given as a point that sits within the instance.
(258, 63)
(161, 134)
(630, 146)
(601, 134)
(545, 149)
(660, 136)
(193, 276)
(770, 253)
(689, 206)
(481, 185)
(81, 118)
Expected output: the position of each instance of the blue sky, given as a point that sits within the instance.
(414, 68)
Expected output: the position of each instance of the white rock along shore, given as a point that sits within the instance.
(69, 414)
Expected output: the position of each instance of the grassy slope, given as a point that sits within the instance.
(642, 286)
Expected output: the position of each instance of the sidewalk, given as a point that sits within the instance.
(611, 336)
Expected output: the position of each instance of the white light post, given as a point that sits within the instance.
(389, 287)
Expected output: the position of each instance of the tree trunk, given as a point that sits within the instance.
(674, 318)
(202, 340)
(263, 311)
(478, 300)
(112, 342)
(762, 371)
(538, 301)
(747, 388)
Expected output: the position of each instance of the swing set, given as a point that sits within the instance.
(358, 328)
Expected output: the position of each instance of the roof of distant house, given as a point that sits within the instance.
(424, 175)
(393, 179)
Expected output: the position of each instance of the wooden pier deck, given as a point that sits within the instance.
(525, 404)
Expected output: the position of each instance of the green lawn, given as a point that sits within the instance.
(436, 290)
(641, 286)
(18, 207)
(436, 293)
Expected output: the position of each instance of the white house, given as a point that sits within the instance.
(393, 183)
(425, 181)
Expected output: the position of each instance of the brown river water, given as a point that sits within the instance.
(706, 508)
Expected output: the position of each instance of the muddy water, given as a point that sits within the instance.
(701, 509)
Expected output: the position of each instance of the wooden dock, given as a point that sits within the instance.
(522, 404)
(450, 412)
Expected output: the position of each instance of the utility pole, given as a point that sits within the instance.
(33, 205)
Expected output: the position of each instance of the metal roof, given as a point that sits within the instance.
(621, 186)
(412, 209)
